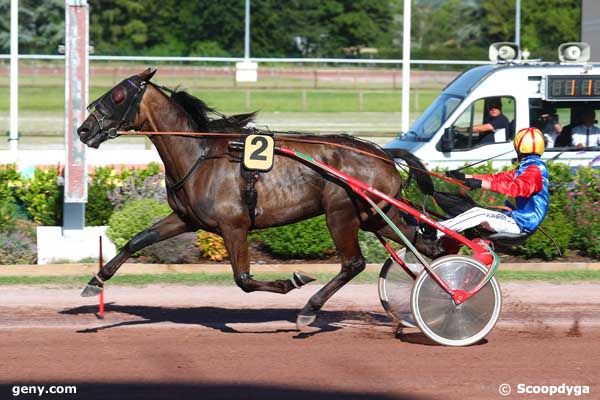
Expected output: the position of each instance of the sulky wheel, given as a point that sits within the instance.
(440, 318)
(395, 286)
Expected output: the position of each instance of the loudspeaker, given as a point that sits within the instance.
(504, 51)
(575, 52)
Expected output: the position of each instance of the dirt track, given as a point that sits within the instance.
(217, 342)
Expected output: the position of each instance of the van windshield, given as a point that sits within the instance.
(432, 119)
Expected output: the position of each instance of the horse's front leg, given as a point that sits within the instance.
(236, 242)
(166, 228)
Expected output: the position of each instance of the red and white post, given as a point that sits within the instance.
(76, 100)
(101, 298)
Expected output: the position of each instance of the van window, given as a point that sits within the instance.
(436, 114)
(486, 121)
(566, 125)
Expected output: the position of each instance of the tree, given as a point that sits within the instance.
(118, 27)
(544, 24)
(41, 26)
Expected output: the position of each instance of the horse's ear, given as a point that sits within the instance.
(147, 74)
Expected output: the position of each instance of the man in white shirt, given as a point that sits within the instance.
(587, 134)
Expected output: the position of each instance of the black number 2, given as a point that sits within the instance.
(256, 154)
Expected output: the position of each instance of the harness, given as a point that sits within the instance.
(123, 110)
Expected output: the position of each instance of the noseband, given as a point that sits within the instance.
(124, 112)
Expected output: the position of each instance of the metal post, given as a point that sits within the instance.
(406, 67)
(100, 265)
(518, 22)
(246, 71)
(247, 32)
(14, 77)
(76, 99)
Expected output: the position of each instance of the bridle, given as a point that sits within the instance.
(124, 112)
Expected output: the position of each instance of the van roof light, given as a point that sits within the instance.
(574, 52)
(504, 51)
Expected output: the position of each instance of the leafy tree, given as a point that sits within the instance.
(308, 28)
(41, 26)
(118, 27)
(544, 24)
(362, 23)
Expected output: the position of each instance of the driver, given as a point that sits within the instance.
(528, 183)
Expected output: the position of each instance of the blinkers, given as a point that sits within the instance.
(119, 105)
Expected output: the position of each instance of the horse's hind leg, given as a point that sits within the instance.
(236, 242)
(167, 227)
(343, 226)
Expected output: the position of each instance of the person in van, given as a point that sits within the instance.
(565, 138)
(493, 121)
(548, 124)
(528, 184)
(586, 134)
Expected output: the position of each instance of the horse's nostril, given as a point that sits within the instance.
(82, 131)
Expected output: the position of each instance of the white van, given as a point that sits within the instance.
(550, 96)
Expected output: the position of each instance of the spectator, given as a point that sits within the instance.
(586, 134)
(565, 139)
(549, 126)
(493, 122)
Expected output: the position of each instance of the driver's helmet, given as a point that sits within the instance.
(529, 141)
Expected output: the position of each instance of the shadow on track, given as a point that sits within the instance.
(221, 318)
(169, 391)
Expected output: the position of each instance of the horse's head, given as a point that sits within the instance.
(115, 110)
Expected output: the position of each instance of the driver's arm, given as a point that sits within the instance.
(483, 128)
(525, 185)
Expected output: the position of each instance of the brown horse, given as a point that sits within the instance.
(206, 189)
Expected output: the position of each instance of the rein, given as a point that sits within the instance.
(482, 161)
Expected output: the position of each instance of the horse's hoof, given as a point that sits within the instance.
(303, 321)
(300, 279)
(90, 291)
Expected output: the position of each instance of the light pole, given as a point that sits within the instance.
(406, 67)
(14, 78)
(518, 23)
(247, 31)
(246, 71)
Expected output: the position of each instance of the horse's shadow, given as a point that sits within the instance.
(222, 318)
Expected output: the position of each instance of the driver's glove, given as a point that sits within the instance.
(455, 174)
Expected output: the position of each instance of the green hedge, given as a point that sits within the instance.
(109, 189)
(308, 239)
(133, 218)
(18, 243)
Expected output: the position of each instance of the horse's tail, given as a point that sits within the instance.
(417, 170)
(452, 203)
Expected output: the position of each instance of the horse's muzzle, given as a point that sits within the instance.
(91, 137)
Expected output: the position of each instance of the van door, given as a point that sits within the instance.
(483, 130)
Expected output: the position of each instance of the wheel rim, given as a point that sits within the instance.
(445, 322)
(395, 287)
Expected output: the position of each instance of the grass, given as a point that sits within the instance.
(225, 279)
(554, 277)
(51, 99)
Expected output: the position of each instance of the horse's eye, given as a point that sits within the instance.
(118, 94)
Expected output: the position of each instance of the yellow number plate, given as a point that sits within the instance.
(258, 152)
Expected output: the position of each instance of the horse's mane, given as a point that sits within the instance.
(201, 114)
